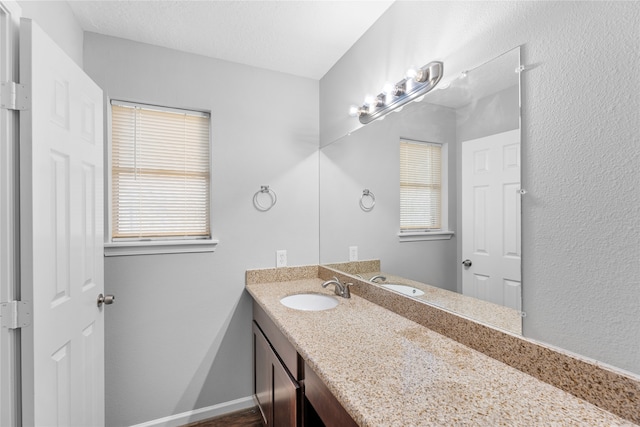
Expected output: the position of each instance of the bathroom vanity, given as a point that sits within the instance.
(374, 367)
(287, 391)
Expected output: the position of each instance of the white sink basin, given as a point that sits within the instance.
(309, 302)
(404, 289)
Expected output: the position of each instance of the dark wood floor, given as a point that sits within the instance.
(245, 418)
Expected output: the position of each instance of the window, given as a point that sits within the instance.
(422, 189)
(160, 175)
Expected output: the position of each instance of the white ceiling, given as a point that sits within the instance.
(303, 37)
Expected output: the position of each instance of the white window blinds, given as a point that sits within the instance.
(159, 173)
(420, 186)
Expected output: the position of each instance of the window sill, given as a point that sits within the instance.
(425, 235)
(159, 247)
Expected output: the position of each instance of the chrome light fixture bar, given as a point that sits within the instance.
(417, 83)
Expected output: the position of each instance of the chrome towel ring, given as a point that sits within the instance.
(367, 205)
(272, 194)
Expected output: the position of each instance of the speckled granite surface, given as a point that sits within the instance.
(495, 315)
(607, 388)
(357, 267)
(387, 370)
(268, 275)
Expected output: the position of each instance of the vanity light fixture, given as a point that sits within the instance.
(417, 83)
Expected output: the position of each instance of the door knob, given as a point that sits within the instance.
(109, 299)
(467, 263)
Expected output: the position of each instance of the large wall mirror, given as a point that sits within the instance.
(452, 161)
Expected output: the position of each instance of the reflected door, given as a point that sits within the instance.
(491, 219)
(61, 214)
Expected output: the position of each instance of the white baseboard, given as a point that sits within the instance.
(200, 414)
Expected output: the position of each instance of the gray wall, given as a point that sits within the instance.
(179, 336)
(370, 159)
(581, 96)
(59, 22)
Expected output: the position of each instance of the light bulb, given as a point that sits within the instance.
(421, 76)
(373, 101)
(400, 88)
(388, 88)
(411, 73)
(354, 111)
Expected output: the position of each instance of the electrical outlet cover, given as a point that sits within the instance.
(281, 258)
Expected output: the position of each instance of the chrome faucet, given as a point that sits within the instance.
(340, 289)
(379, 276)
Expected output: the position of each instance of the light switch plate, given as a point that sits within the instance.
(353, 253)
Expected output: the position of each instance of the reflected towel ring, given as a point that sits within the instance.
(367, 207)
(270, 192)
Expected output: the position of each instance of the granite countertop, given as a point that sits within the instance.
(389, 371)
(487, 312)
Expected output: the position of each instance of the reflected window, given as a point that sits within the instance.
(421, 186)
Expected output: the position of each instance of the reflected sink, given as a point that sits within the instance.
(309, 302)
(404, 289)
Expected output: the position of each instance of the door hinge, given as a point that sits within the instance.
(15, 314)
(14, 96)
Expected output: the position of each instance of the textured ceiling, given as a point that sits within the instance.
(303, 37)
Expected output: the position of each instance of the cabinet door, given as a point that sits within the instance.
(276, 391)
(285, 397)
(262, 375)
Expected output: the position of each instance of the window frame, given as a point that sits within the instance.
(443, 233)
(151, 246)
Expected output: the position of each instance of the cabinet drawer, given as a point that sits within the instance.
(278, 341)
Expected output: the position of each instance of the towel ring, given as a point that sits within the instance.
(367, 207)
(270, 192)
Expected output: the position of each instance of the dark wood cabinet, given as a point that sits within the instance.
(280, 382)
(277, 393)
(262, 375)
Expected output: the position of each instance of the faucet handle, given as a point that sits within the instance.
(339, 287)
(346, 293)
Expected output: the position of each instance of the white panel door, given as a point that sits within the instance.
(491, 218)
(61, 172)
(9, 24)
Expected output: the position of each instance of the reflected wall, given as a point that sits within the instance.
(483, 101)
(369, 159)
